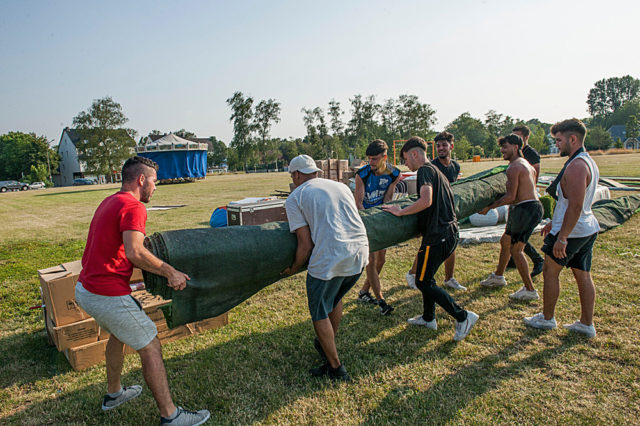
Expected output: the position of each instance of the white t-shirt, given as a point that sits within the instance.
(341, 246)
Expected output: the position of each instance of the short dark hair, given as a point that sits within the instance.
(377, 147)
(512, 139)
(572, 125)
(413, 142)
(522, 129)
(135, 166)
(444, 136)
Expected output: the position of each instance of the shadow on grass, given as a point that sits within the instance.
(252, 377)
(26, 358)
(453, 393)
(244, 380)
(54, 194)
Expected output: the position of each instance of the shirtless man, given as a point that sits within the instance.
(525, 214)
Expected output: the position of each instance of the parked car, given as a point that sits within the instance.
(37, 185)
(13, 185)
(84, 181)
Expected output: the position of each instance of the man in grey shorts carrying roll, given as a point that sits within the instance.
(332, 238)
(525, 213)
(114, 247)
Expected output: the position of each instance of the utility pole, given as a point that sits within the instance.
(48, 163)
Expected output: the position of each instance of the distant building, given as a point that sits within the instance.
(71, 167)
(619, 131)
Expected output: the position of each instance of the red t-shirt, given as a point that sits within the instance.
(105, 268)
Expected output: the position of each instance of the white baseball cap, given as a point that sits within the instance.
(303, 164)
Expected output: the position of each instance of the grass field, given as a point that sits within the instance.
(255, 369)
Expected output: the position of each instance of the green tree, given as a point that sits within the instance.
(362, 128)
(413, 117)
(465, 126)
(39, 173)
(335, 120)
(622, 114)
(497, 125)
(609, 94)
(104, 143)
(632, 126)
(266, 114)
(242, 116)
(597, 138)
(19, 152)
(184, 134)
(217, 153)
(462, 148)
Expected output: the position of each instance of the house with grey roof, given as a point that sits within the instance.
(70, 166)
(619, 131)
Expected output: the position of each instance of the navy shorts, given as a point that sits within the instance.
(523, 219)
(579, 251)
(323, 296)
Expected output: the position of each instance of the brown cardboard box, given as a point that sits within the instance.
(88, 331)
(58, 285)
(85, 356)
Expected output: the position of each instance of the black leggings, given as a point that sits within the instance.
(429, 260)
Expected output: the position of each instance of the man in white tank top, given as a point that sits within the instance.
(573, 230)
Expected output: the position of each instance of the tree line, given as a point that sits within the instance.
(330, 133)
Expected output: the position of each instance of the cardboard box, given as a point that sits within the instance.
(85, 356)
(88, 331)
(58, 286)
(89, 355)
(256, 213)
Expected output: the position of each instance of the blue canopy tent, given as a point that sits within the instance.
(177, 157)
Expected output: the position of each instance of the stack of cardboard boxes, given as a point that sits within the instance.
(337, 170)
(78, 335)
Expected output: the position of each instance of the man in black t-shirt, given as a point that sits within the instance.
(439, 229)
(450, 169)
(532, 156)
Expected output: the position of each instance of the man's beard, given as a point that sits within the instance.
(443, 156)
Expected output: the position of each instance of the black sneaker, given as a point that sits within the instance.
(366, 297)
(318, 346)
(338, 374)
(385, 309)
(320, 371)
(537, 268)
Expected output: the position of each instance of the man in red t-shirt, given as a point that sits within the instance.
(114, 247)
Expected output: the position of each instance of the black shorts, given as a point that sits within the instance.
(523, 219)
(579, 251)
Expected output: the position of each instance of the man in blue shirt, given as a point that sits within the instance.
(375, 184)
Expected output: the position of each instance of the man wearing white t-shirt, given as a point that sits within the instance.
(332, 238)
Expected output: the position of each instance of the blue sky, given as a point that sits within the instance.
(172, 64)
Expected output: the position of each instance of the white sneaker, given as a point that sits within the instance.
(578, 327)
(463, 328)
(524, 294)
(187, 418)
(494, 280)
(411, 280)
(432, 325)
(538, 321)
(454, 284)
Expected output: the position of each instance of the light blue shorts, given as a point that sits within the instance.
(121, 316)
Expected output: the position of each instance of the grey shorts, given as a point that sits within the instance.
(121, 316)
(323, 296)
